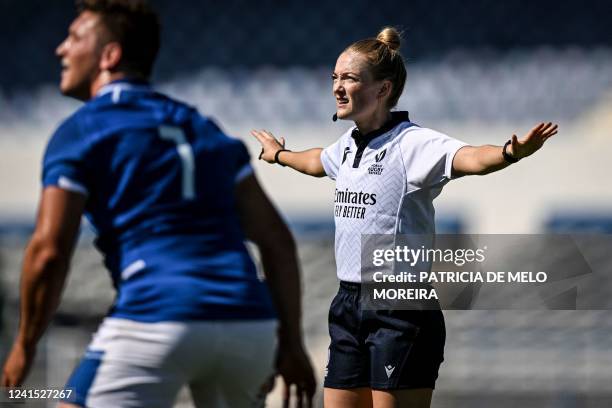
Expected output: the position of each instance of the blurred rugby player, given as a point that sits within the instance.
(172, 199)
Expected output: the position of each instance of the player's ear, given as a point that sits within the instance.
(110, 56)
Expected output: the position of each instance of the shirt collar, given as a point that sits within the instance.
(396, 119)
(119, 85)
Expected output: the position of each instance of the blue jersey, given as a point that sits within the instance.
(160, 182)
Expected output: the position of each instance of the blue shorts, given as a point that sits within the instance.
(382, 349)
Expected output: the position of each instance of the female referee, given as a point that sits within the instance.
(387, 172)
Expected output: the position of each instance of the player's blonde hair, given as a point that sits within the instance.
(384, 59)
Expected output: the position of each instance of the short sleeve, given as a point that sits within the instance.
(428, 156)
(243, 168)
(233, 150)
(65, 161)
(332, 156)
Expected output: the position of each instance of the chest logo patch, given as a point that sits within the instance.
(347, 150)
(377, 168)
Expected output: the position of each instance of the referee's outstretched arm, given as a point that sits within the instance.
(307, 162)
(480, 160)
(264, 226)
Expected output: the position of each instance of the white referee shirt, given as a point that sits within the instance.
(385, 184)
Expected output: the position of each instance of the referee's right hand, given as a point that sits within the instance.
(269, 144)
(293, 365)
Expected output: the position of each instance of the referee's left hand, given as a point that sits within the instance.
(532, 141)
(294, 367)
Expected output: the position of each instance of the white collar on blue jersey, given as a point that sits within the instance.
(116, 87)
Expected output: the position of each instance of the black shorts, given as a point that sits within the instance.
(382, 349)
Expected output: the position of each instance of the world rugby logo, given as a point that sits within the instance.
(377, 168)
(380, 156)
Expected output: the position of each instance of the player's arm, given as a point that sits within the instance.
(307, 161)
(45, 266)
(263, 225)
(481, 160)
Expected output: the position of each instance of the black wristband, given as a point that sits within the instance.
(507, 156)
(276, 156)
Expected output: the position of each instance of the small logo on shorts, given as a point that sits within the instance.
(327, 365)
(389, 369)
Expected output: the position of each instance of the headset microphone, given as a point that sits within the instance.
(335, 117)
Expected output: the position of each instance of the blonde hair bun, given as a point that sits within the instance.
(384, 60)
(390, 37)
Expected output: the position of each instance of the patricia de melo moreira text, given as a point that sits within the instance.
(458, 257)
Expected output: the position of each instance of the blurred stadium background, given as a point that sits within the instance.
(479, 71)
